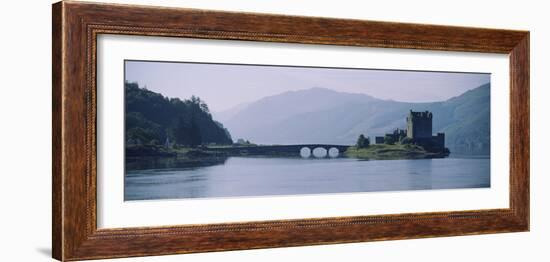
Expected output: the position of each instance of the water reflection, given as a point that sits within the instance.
(140, 163)
(420, 174)
(249, 176)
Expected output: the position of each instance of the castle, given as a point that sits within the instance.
(419, 131)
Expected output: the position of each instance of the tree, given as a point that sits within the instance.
(182, 132)
(194, 133)
(402, 136)
(204, 107)
(150, 115)
(362, 141)
(406, 141)
(389, 140)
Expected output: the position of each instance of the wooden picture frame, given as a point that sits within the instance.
(76, 26)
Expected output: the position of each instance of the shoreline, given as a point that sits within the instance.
(374, 152)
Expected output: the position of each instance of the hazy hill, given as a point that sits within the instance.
(320, 115)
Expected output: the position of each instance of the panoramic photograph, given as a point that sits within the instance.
(212, 130)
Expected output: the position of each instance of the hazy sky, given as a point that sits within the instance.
(224, 86)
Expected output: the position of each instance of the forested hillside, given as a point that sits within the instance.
(152, 119)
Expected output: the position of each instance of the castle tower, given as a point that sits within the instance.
(419, 125)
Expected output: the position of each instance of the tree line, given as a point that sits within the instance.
(153, 119)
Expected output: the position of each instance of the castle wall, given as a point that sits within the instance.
(439, 140)
(419, 129)
(419, 125)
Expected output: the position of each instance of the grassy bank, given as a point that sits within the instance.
(397, 151)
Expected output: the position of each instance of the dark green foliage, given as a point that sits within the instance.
(362, 141)
(402, 137)
(139, 130)
(389, 140)
(242, 142)
(396, 151)
(151, 118)
(195, 137)
(406, 141)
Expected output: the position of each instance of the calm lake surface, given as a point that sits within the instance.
(257, 176)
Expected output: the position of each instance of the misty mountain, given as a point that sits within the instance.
(223, 116)
(320, 115)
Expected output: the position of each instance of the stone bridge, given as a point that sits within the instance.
(304, 150)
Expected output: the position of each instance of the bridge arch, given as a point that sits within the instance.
(333, 152)
(320, 152)
(305, 152)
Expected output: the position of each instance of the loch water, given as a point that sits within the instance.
(147, 179)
